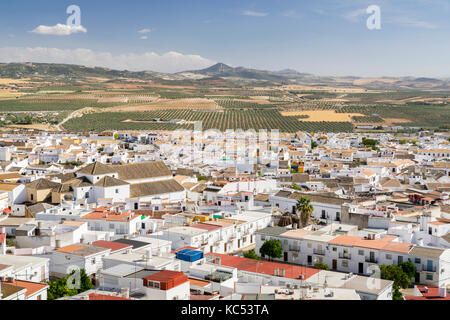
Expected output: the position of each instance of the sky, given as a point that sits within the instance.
(322, 37)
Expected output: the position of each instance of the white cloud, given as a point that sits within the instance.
(59, 30)
(410, 22)
(144, 31)
(144, 38)
(151, 61)
(254, 13)
(354, 16)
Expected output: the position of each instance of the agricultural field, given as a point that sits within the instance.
(119, 100)
(322, 115)
(18, 105)
(221, 120)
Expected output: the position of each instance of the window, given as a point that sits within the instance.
(31, 197)
(389, 256)
(111, 225)
(153, 284)
(334, 249)
(93, 261)
(345, 263)
(117, 191)
(429, 276)
(86, 195)
(309, 245)
(417, 260)
(361, 252)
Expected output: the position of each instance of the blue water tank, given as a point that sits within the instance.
(189, 255)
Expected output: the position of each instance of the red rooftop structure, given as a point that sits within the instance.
(166, 279)
(264, 267)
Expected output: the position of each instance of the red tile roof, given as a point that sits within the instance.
(114, 246)
(105, 214)
(264, 267)
(164, 275)
(95, 296)
(199, 283)
(190, 248)
(385, 243)
(70, 248)
(432, 294)
(32, 287)
(204, 226)
(167, 279)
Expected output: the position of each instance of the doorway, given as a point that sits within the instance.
(417, 277)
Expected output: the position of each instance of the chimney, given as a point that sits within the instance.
(125, 293)
(58, 244)
(148, 254)
(443, 292)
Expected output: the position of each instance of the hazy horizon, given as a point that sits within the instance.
(323, 38)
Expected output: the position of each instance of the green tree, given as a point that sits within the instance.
(28, 119)
(295, 187)
(251, 255)
(409, 268)
(313, 144)
(59, 288)
(396, 274)
(85, 282)
(321, 266)
(396, 293)
(272, 249)
(305, 209)
(10, 242)
(371, 143)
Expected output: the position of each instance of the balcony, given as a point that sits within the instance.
(345, 256)
(428, 269)
(294, 248)
(371, 260)
(319, 252)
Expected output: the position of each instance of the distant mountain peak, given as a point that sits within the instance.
(218, 67)
(287, 71)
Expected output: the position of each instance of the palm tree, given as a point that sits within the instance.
(305, 209)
